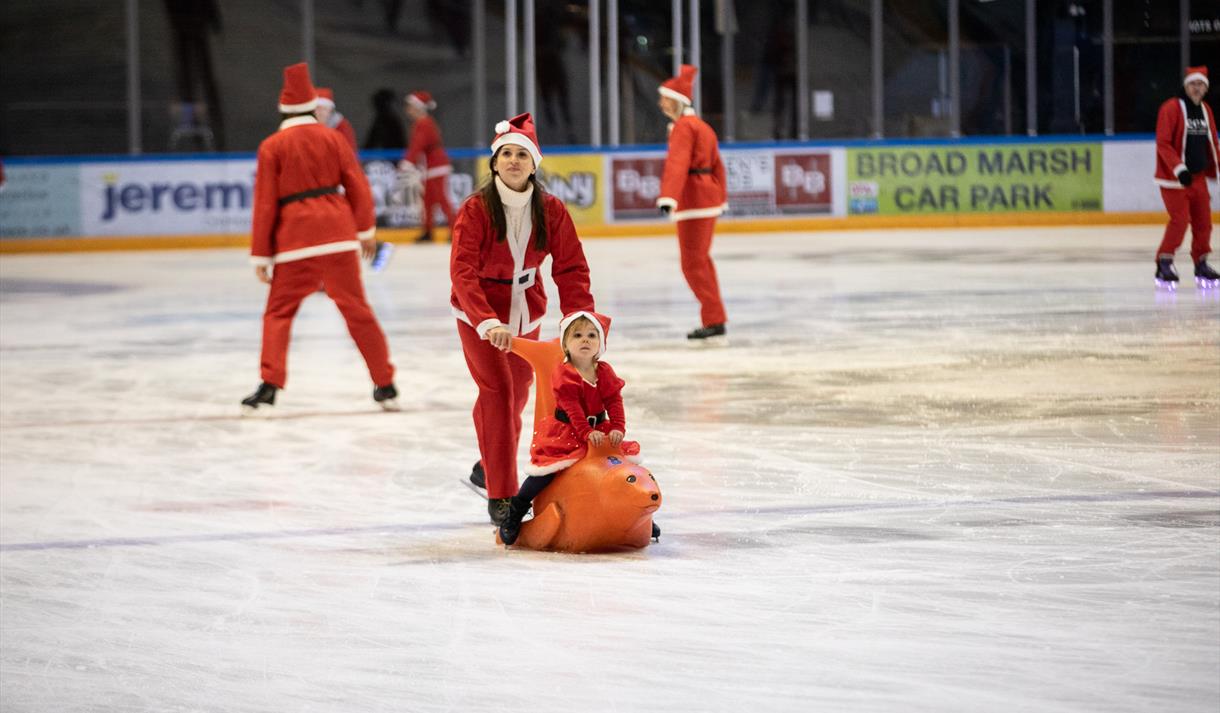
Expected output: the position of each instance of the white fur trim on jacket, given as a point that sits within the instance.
(436, 171)
(316, 250)
(697, 213)
(555, 467)
(366, 234)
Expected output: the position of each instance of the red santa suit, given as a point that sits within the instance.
(1187, 205)
(337, 121)
(495, 284)
(312, 205)
(426, 147)
(694, 190)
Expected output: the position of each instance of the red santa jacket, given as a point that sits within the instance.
(693, 184)
(426, 144)
(579, 399)
(1171, 142)
(492, 286)
(305, 156)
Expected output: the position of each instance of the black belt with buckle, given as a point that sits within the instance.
(699, 171)
(520, 280)
(311, 193)
(562, 416)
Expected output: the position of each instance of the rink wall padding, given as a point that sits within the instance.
(203, 200)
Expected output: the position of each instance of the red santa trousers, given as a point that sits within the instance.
(504, 386)
(695, 248)
(1190, 205)
(339, 274)
(436, 193)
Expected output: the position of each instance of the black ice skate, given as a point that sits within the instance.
(711, 335)
(497, 509)
(1205, 277)
(387, 397)
(477, 476)
(1166, 276)
(656, 533)
(424, 237)
(510, 528)
(261, 401)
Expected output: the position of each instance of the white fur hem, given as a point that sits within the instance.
(555, 467)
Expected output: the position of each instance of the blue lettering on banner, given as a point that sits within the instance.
(155, 197)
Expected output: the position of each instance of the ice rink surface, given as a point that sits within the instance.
(942, 470)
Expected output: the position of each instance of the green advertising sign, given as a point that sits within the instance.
(974, 178)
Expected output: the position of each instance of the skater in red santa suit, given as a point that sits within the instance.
(426, 148)
(694, 194)
(500, 238)
(313, 216)
(1186, 157)
(588, 411)
(328, 115)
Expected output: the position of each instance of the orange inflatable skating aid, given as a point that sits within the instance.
(601, 503)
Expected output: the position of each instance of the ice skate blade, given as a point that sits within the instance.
(1168, 286)
(263, 411)
(1205, 284)
(708, 343)
(389, 405)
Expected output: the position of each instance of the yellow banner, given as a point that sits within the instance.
(576, 179)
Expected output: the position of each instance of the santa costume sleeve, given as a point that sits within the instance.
(266, 207)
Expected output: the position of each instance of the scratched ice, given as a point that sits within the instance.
(972, 470)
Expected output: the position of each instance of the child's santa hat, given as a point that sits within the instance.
(326, 97)
(681, 87)
(422, 100)
(298, 95)
(600, 322)
(1193, 73)
(519, 131)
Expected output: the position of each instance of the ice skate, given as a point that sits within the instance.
(497, 509)
(387, 397)
(424, 237)
(709, 336)
(1205, 277)
(510, 528)
(260, 402)
(656, 533)
(477, 476)
(381, 257)
(1166, 276)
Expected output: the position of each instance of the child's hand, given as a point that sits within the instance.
(596, 437)
(616, 437)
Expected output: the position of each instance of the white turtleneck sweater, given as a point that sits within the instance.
(518, 222)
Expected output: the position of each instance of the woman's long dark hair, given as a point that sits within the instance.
(495, 208)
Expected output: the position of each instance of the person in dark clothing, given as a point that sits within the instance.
(387, 130)
(191, 21)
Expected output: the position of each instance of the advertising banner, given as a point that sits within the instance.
(398, 191)
(802, 182)
(40, 201)
(166, 197)
(751, 182)
(975, 178)
(635, 185)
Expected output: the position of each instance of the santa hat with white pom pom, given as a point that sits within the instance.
(519, 131)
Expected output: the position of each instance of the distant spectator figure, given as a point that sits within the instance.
(776, 73)
(191, 21)
(694, 193)
(552, 68)
(1187, 154)
(328, 115)
(386, 131)
(313, 215)
(427, 152)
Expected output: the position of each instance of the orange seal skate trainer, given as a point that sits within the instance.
(601, 503)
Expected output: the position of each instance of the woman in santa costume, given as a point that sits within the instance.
(500, 238)
(1186, 157)
(694, 194)
(426, 148)
(313, 216)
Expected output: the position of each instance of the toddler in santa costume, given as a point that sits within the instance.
(426, 147)
(1186, 157)
(588, 410)
(313, 217)
(694, 193)
(501, 237)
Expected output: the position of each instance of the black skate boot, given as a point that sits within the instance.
(387, 397)
(497, 509)
(511, 527)
(424, 237)
(1205, 277)
(656, 533)
(1166, 276)
(477, 476)
(709, 335)
(260, 401)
